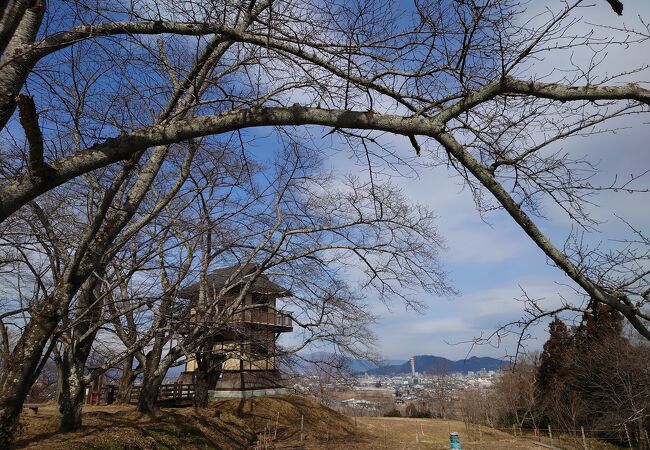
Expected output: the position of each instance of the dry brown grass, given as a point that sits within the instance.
(374, 395)
(229, 424)
(226, 424)
(402, 433)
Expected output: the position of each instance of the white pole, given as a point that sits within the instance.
(277, 419)
(302, 425)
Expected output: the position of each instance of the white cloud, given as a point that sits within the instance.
(435, 326)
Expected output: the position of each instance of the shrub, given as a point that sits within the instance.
(393, 413)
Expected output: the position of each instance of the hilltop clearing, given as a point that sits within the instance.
(228, 424)
(262, 423)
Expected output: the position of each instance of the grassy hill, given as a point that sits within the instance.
(226, 424)
(230, 424)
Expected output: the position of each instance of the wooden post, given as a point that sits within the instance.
(302, 425)
(584, 439)
(550, 434)
(627, 433)
(514, 430)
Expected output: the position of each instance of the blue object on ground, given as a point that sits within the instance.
(454, 441)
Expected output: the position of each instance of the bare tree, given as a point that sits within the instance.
(98, 98)
(516, 394)
(490, 124)
(301, 232)
(442, 393)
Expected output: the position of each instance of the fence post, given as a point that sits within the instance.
(584, 439)
(550, 433)
(514, 430)
(275, 433)
(302, 425)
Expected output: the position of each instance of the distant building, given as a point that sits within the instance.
(249, 339)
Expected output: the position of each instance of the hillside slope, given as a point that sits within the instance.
(221, 426)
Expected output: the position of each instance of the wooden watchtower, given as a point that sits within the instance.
(249, 339)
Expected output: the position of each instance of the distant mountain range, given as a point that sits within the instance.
(423, 364)
(361, 365)
(437, 364)
(351, 365)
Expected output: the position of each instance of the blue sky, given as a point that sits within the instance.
(489, 263)
(491, 260)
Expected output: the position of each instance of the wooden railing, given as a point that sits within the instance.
(173, 393)
(264, 317)
(274, 318)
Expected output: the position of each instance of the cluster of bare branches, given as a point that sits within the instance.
(120, 306)
(130, 161)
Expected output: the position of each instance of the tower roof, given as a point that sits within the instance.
(217, 280)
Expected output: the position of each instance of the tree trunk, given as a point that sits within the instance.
(71, 390)
(72, 383)
(154, 375)
(149, 392)
(126, 382)
(209, 366)
(22, 365)
(70, 395)
(203, 383)
(9, 415)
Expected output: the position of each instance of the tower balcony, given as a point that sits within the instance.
(279, 320)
